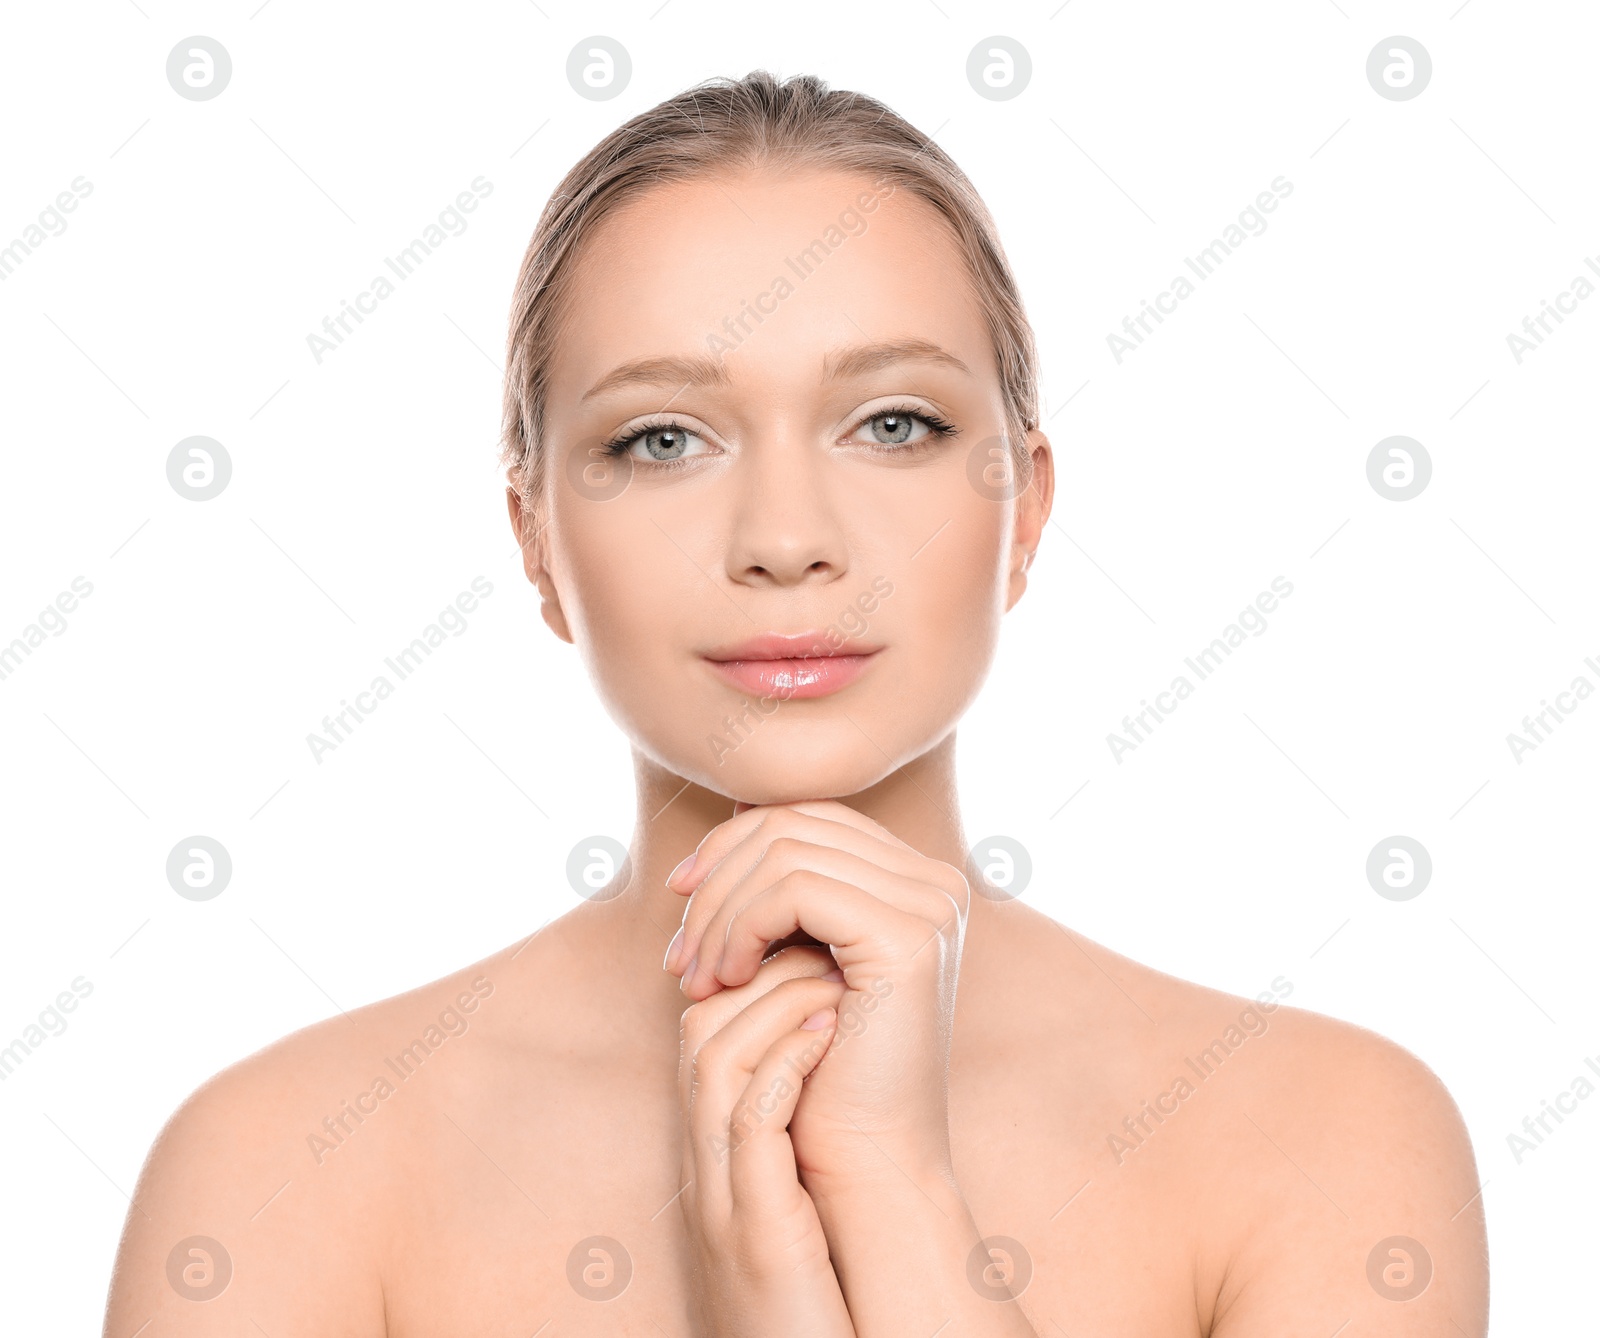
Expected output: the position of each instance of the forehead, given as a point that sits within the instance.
(782, 265)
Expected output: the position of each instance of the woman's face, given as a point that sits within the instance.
(776, 413)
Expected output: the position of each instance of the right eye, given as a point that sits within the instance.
(660, 443)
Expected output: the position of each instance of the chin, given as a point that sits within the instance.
(789, 770)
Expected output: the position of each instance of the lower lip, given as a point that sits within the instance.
(815, 676)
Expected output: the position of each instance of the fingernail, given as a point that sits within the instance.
(688, 972)
(835, 974)
(671, 959)
(818, 1020)
(684, 866)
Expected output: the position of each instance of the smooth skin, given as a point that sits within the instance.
(861, 1098)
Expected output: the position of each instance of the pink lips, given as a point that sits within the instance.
(805, 664)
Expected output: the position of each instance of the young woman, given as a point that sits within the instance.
(776, 470)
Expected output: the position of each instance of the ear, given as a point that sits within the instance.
(1033, 510)
(531, 540)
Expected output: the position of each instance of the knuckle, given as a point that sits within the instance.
(695, 1027)
(784, 849)
(953, 883)
(801, 879)
(709, 1058)
(783, 821)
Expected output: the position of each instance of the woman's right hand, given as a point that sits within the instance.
(760, 1259)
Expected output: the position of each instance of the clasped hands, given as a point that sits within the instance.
(811, 1075)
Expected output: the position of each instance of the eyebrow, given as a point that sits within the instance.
(707, 371)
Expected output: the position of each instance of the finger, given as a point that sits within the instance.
(869, 937)
(914, 884)
(722, 1067)
(723, 1064)
(713, 849)
(761, 1164)
(725, 835)
(731, 849)
(704, 1020)
(733, 867)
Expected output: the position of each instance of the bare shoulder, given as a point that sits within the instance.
(1367, 1161)
(261, 1201)
(1328, 1170)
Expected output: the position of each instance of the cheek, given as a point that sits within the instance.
(624, 589)
(954, 597)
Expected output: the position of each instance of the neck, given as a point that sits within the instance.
(917, 803)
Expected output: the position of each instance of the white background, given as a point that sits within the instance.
(1231, 448)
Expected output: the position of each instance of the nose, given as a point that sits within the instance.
(786, 527)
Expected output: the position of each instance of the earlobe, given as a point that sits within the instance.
(550, 611)
(1018, 583)
(532, 548)
(1033, 510)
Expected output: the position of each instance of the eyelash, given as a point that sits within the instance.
(938, 427)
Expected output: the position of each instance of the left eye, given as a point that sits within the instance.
(896, 427)
(666, 443)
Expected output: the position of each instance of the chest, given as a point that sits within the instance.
(556, 1212)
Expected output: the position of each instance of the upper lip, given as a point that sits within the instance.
(791, 646)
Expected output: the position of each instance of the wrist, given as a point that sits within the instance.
(883, 1231)
(881, 1181)
(735, 1299)
(855, 1162)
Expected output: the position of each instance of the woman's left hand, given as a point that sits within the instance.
(894, 919)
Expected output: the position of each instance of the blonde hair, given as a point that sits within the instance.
(755, 122)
